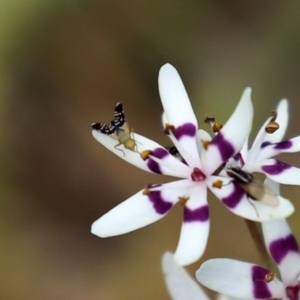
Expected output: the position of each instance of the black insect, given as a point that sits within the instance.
(118, 129)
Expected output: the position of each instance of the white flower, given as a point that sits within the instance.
(181, 285)
(201, 157)
(250, 281)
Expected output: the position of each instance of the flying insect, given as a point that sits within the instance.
(118, 129)
(255, 189)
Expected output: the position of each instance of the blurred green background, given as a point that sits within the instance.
(64, 65)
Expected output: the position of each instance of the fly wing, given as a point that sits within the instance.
(119, 116)
(104, 128)
(269, 198)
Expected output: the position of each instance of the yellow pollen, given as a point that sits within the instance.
(183, 200)
(205, 144)
(145, 154)
(218, 184)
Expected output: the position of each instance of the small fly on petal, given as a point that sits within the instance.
(255, 189)
(118, 129)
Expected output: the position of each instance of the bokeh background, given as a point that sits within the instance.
(63, 65)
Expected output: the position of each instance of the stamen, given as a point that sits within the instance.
(217, 127)
(198, 175)
(269, 277)
(145, 154)
(183, 200)
(272, 127)
(169, 128)
(218, 184)
(205, 144)
(209, 120)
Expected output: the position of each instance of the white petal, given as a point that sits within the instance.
(277, 171)
(195, 227)
(284, 249)
(175, 100)
(176, 168)
(180, 284)
(135, 212)
(237, 201)
(233, 135)
(238, 279)
(282, 119)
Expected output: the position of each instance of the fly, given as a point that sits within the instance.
(255, 189)
(118, 129)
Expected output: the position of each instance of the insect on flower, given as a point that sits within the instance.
(255, 189)
(118, 129)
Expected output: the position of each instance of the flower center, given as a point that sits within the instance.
(293, 292)
(197, 175)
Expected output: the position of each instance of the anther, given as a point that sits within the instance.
(205, 144)
(272, 127)
(218, 184)
(169, 128)
(145, 154)
(183, 200)
(269, 277)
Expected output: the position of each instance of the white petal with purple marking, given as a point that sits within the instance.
(233, 135)
(172, 166)
(236, 200)
(238, 279)
(136, 212)
(195, 227)
(180, 284)
(284, 249)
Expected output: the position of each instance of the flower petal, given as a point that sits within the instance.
(136, 212)
(234, 133)
(172, 167)
(277, 171)
(174, 98)
(195, 227)
(180, 284)
(235, 198)
(239, 279)
(178, 111)
(284, 249)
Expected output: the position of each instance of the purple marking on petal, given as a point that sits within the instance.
(153, 165)
(265, 144)
(160, 205)
(226, 149)
(283, 145)
(235, 197)
(260, 286)
(195, 215)
(281, 247)
(275, 169)
(187, 129)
